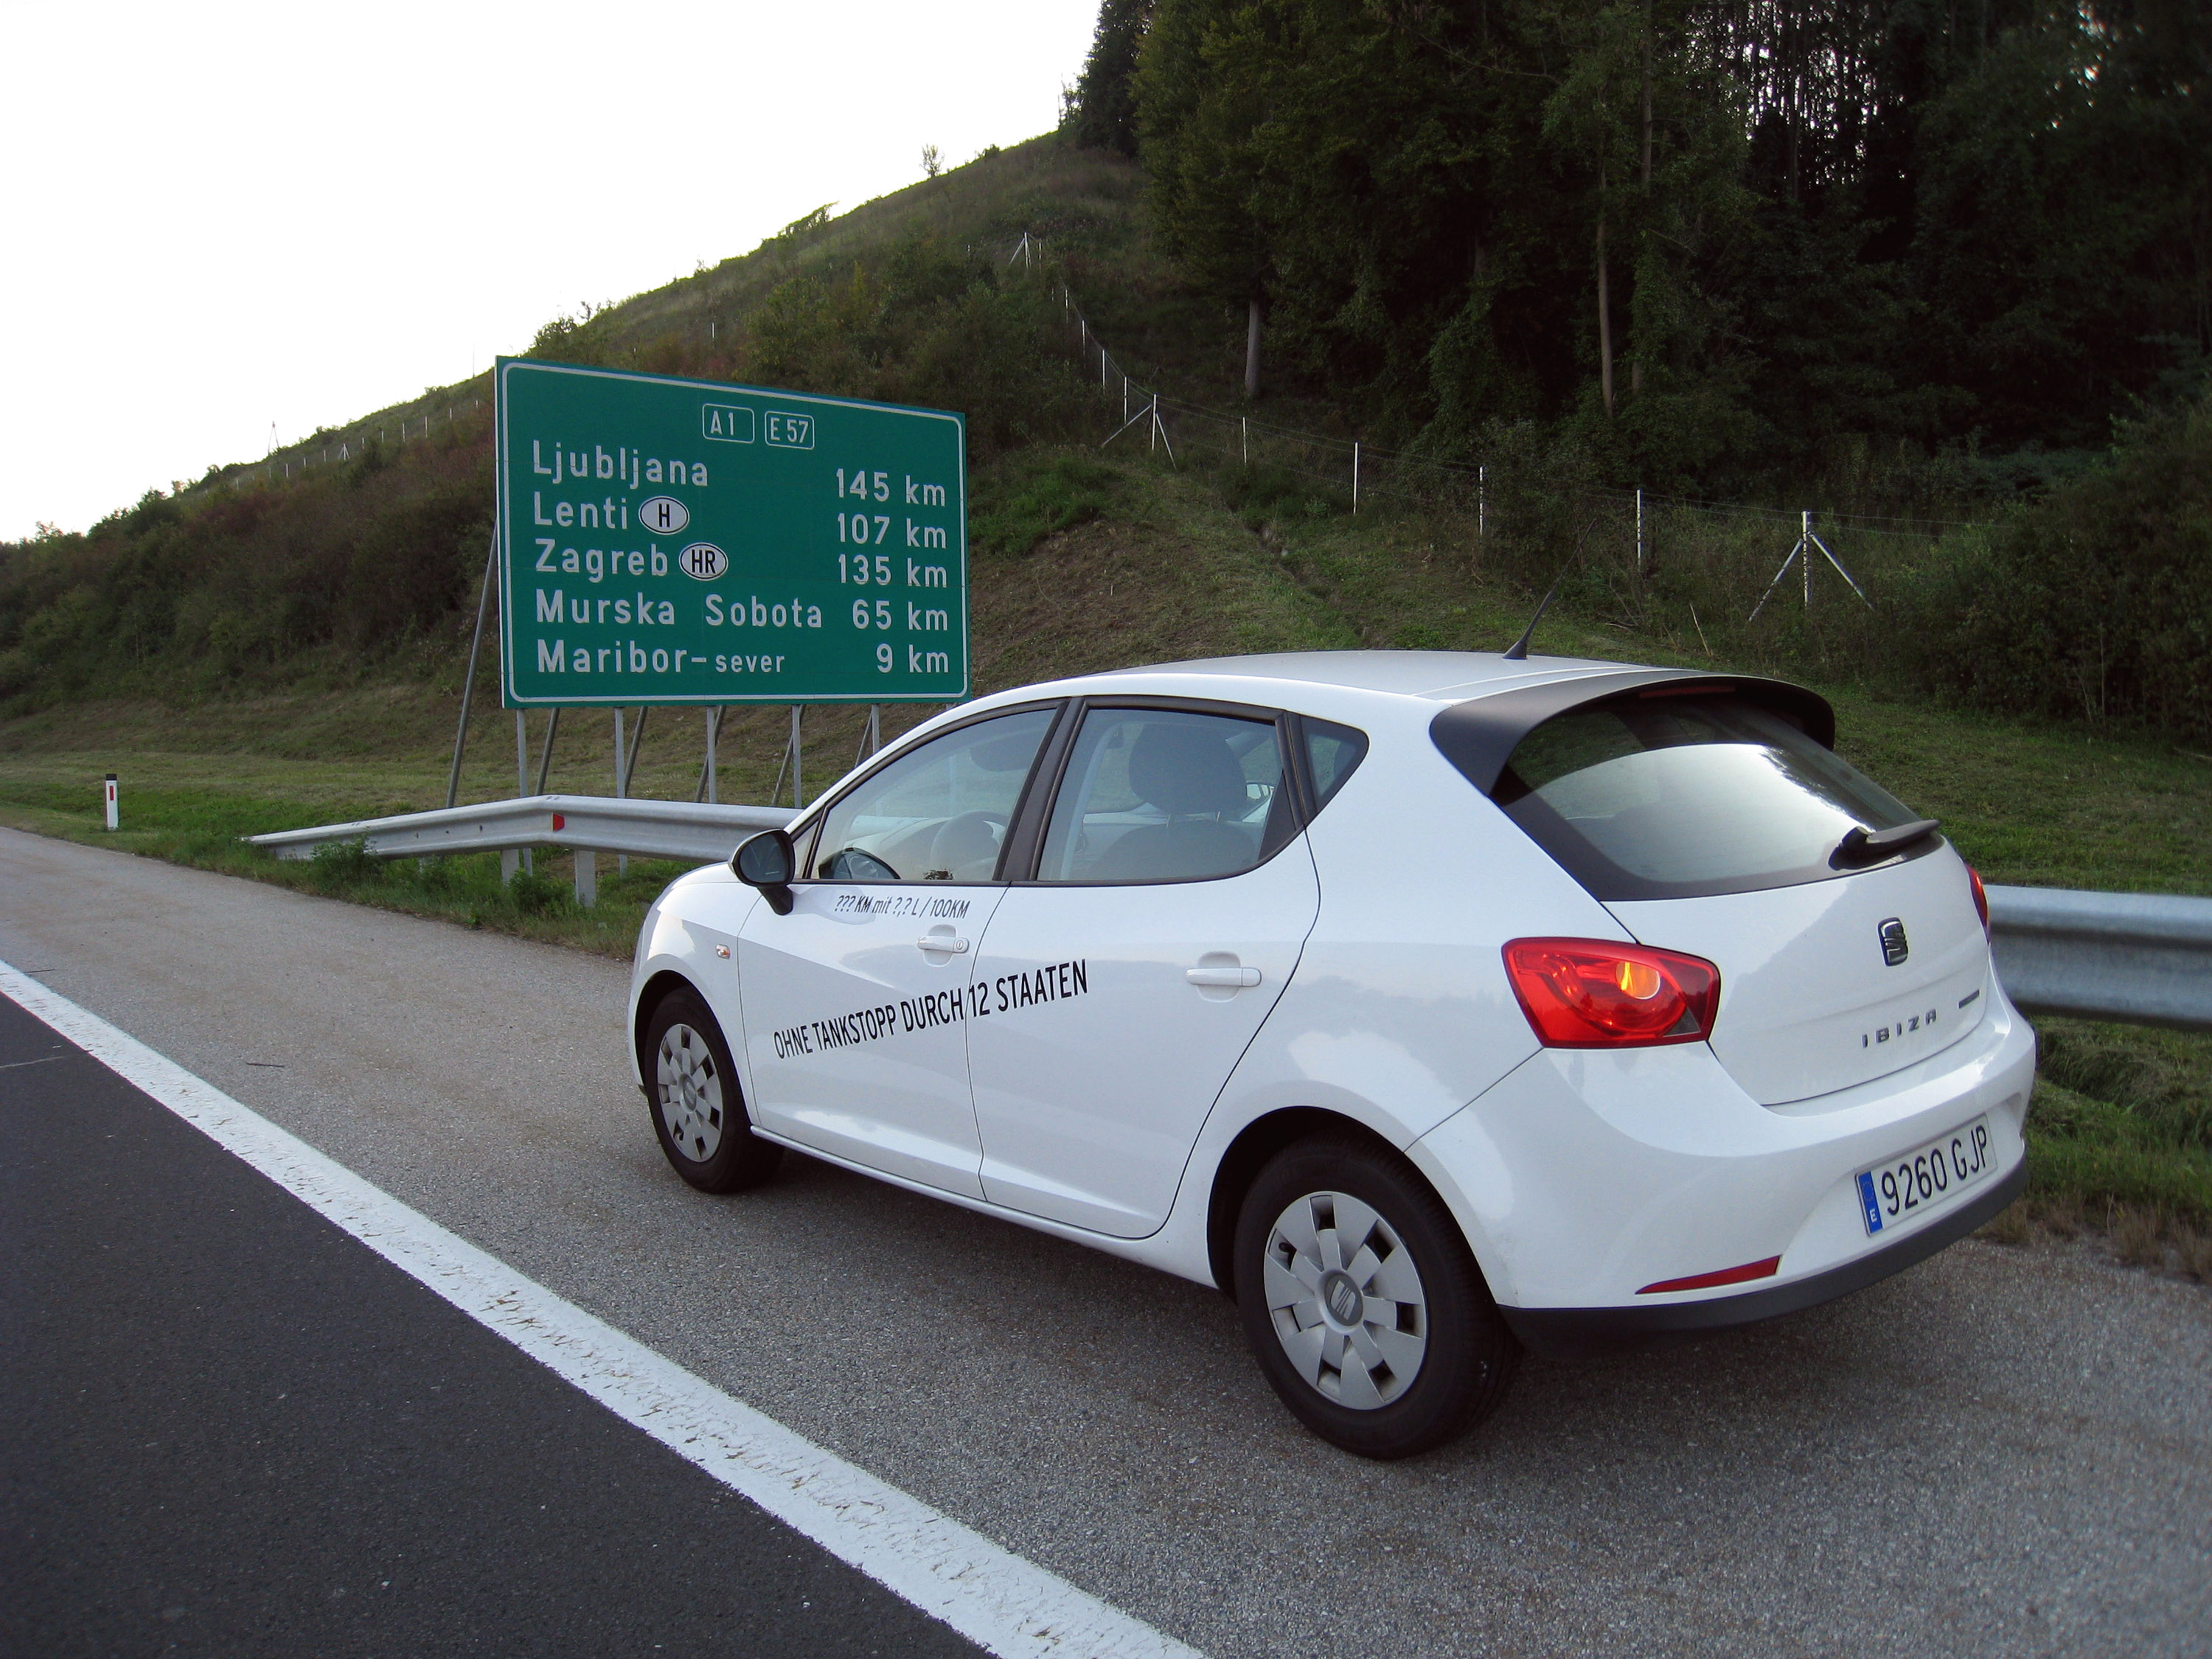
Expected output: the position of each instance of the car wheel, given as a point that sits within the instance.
(1362, 1303)
(698, 1112)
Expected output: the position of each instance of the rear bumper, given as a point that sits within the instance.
(1579, 1332)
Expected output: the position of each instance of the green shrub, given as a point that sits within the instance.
(2095, 603)
(534, 895)
(341, 864)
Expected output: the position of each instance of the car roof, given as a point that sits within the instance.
(1318, 681)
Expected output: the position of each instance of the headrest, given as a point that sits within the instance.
(1185, 770)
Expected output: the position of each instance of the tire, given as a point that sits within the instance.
(1398, 1354)
(698, 1111)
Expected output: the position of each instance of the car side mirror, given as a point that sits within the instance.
(766, 861)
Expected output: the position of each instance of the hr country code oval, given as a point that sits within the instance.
(703, 561)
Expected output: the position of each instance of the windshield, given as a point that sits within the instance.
(1672, 797)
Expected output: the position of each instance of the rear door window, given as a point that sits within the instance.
(1333, 754)
(1158, 794)
(1679, 796)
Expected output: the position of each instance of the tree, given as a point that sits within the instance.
(1103, 111)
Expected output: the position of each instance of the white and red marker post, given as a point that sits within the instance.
(108, 789)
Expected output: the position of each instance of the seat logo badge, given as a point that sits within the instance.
(1345, 1302)
(1894, 949)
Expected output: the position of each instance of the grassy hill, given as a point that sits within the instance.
(283, 644)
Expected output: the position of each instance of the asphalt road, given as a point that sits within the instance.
(233, 1428)
(1999, 1451)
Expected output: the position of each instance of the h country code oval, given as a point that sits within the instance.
(664, 515)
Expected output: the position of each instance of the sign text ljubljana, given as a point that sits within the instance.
(671, 541)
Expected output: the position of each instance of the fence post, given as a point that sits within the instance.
(1244, 432)
(1481, 502)
(1355, 475)
(1805, 542)
(1640, 531)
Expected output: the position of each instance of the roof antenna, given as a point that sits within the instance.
(1518, 651)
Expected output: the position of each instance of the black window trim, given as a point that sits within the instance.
(817, 814)
(1040, 810)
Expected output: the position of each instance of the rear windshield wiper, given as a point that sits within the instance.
(1861, 845)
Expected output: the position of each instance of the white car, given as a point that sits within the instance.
(1436, 1006)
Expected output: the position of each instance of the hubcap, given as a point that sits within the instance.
(1346, 1300)
(690, 1089)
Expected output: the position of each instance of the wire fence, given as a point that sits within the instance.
(1514, 512)
(1722, 561)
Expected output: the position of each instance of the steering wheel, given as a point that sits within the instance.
(851, 864)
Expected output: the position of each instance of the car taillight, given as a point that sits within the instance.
(1981, 897)
(1588, 994)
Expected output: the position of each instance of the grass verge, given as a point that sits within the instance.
(1082, 562)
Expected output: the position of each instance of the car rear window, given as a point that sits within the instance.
(1673, 796)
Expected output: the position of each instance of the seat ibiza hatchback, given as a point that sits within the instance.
(1435, 1006)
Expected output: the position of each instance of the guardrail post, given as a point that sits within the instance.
(588, 879)
(510, 862)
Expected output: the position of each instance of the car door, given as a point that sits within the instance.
(1170, 896)
(856, 1003)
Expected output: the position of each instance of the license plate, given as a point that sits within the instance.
(1926, 1176)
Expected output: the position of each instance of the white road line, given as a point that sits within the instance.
(992, 1596)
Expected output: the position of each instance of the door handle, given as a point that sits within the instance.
(1227, 979)
(945, 942)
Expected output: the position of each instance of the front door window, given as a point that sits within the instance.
(856, 1003)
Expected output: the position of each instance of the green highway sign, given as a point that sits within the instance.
(668, 541)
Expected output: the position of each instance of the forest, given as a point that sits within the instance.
(1947, 260)
(1720, 242)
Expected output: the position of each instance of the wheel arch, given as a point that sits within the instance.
(1248, 1154)
(649, 996)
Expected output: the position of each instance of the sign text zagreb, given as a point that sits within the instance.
(667, 541)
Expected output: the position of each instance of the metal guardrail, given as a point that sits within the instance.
(584, 824)
(2139, 958)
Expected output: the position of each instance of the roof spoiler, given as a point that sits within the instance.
(1479, 735)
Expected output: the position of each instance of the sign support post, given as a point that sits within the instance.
(469, 684)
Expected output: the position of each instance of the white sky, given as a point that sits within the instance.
(219, 216)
